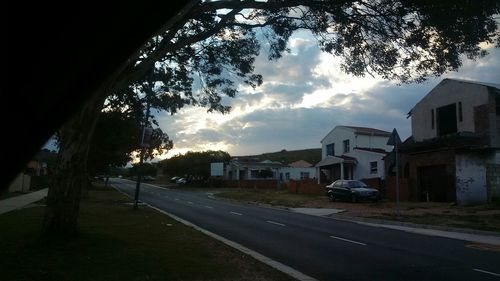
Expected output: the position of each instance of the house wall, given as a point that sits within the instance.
(372, 142)
(362, 168)
(471, 185)
(339, 134)
(493, 177)
(447, 92)
(295, 172)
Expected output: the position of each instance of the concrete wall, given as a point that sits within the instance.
(471, 178)
(445, 93)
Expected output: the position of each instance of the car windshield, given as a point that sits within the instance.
(356, 184)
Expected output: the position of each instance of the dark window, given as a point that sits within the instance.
(446, 119)
(338, 184)
(373, 167)
(460, 117)
(346, 146)
(304, 175)
(287, 176)
(330, 149)
(432, 118)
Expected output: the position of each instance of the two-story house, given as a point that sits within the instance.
(353, 153)
(453, 154)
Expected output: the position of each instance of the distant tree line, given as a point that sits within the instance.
(193, 164)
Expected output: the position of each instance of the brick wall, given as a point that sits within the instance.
(306, 186)
(390, 189)
(493, 182)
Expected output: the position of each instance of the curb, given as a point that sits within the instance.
(266, 260)
(414, 225)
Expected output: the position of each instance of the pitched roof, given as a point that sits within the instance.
(300, 164)
(361, 131)
(377, 150)
(330, 160)
(368, 131)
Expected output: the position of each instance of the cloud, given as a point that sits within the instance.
(303, 97)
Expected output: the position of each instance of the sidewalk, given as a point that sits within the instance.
(476, 236)
(18, 202)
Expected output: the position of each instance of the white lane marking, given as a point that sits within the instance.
(176, 199)
(189, 202)
(238, 214)
(258, 256)
(487, 272)
(347, 240)
(276, 223)
(210, 207)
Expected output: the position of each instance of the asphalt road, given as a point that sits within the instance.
(325, 248)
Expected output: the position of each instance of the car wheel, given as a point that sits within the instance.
(354, 198)
(331, 197)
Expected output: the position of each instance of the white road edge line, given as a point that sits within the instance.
(260, 257)
(347, 240)
(189, 202)
(176, 199)
(210, 207)
(276, 223)
(234, 213)
(487, 272)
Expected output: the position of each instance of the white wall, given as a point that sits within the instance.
(372, 142)
(470, 179)
(362, 170)
(337, 136)
(445, 93)
(295, 172)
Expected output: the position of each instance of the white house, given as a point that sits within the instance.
(297, 170)
(454, 151)
(353, 153)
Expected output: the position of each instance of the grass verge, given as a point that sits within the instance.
(271, 197)
(118, 243)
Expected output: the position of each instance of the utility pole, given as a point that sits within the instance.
(141, 158)
(395, 141)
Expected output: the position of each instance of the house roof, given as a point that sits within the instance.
(368, 131)
(485, 84)
(361, 131)
(330, 160)
(300, 164)
(376, 150)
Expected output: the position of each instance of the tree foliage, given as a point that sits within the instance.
(208, 51)
(195, 164)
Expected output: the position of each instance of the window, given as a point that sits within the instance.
(330, 149)
(446, 119)
(287, 176)
(460, 117)
(346, 146)
(304, 175)
(432, 118)
(373, 167)
(254, 174)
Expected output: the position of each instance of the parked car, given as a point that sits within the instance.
(174, 179)
(351, 190)
(148, 178)
(181, 181)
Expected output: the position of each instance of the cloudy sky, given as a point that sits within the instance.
(303, 97)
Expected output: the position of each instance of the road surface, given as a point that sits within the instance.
(325, 248)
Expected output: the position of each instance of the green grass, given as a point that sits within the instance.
(118, 243)
(272, 197)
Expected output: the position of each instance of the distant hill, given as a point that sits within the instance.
(312, 155)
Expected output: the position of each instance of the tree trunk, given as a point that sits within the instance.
(63, 199)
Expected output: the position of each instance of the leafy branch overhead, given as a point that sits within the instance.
(209, 51)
